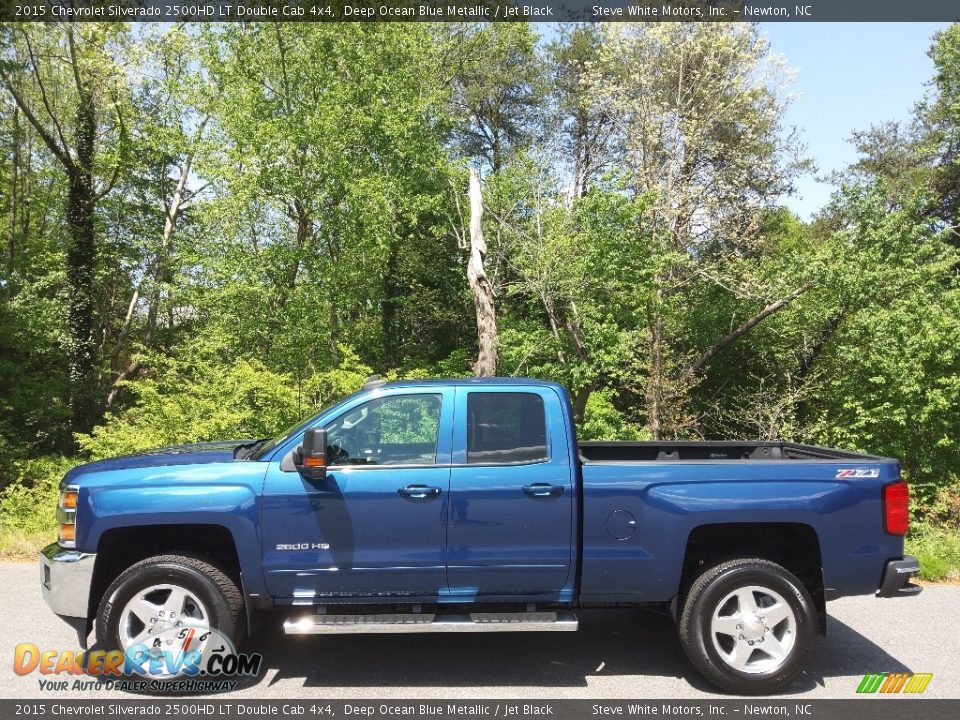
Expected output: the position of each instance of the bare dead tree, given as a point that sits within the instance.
(486, 365)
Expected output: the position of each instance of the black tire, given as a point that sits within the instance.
(710, 594)
(211, 585)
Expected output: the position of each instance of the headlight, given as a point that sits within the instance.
(67, 516)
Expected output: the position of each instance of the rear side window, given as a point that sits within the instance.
(505, 428)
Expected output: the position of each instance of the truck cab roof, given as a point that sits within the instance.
(376, 382)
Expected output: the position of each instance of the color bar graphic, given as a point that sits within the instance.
(892, 683)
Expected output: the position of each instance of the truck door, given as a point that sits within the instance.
(375, 526)
(510, 527)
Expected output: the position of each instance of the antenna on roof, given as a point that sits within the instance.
(373, 381)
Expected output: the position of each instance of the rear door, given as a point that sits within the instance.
(510, 510)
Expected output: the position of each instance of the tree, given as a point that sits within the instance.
(12, 198)
(497, 101)
(698, 107)
(585, 128)
(576, 275)
(72, 124)
(940, 116)
(168, 126)
(895, 153)
(329, 173)
(923, 151)
(891, 367)
(486, 364)
(498, 89)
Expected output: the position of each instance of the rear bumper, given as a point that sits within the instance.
(65, 577)
(896, 578)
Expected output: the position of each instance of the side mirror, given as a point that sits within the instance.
(311, 458)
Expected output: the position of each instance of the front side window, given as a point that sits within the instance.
(505, 428)
(397, 430)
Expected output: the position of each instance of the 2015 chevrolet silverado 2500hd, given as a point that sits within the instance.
(468, 505)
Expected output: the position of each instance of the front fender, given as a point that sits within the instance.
(234, 507)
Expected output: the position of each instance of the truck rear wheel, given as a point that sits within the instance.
(748, 625)
(167, 602)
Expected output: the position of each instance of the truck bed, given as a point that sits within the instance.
(644, 503)
(664, 451)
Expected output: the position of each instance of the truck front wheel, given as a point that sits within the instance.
(748, 625)
(170, 603)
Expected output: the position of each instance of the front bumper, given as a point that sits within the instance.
(65, 577)
(896, 578)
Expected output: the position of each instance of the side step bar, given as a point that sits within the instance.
(425, 622)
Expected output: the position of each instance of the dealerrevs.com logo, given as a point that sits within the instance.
(178, 659)
(892, 683)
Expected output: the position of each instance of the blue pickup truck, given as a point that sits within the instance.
(469, 505)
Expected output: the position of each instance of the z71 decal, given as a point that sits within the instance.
(858, 473)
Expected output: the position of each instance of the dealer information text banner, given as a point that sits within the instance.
(492, 11)
(854, 709)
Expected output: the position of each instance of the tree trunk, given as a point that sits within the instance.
(486, 365)
(579, 401)
(12, 210)
(171, 217)
(334, 334)
(388, 317)
(26, 164)
(809, 358)
(554, 327)
(655, 380)
(582, 158)
(81, 263)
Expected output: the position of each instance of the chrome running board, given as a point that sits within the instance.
(426, 622)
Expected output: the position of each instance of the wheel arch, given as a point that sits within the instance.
(794, 546)
(121, 547)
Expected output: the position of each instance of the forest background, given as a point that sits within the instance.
(211, 232)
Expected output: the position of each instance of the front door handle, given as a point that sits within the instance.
(543, 490)
(418, 492)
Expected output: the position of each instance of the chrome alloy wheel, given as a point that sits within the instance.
(153, 615)
(753, 629)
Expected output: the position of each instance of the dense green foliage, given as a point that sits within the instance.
(279, 210)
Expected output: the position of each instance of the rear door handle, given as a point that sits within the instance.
(418, 492)
(543, 490)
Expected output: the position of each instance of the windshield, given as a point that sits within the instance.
(265, 448)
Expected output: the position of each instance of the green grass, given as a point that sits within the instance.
(22, 545)
(938, 549)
